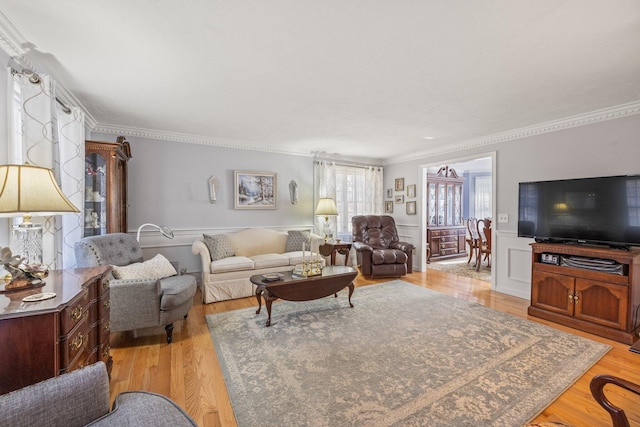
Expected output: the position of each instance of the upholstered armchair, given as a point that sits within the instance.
(143, 294)
(81, 397)
(378, 249)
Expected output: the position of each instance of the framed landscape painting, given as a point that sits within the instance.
(254, 190)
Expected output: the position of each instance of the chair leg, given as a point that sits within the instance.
(169, 329)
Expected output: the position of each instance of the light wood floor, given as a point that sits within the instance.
(187, 371)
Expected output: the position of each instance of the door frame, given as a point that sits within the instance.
(423, 220)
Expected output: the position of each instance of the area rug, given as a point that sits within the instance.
(403, 356)
(460, 267)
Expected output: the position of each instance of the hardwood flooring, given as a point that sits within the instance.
(187, 371)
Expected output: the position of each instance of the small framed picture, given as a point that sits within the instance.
(399, 184)
(389, 193)
(411, 190)
(399, 199)
(388, 206)
(411, 208)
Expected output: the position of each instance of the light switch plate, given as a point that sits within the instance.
(503, 218)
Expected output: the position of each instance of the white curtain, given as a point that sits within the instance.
(42, 134)
(482, 202)
(373, 191)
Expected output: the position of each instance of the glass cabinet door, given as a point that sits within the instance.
(441, 203)
(95, 195)
(431, 204)
(457, 204)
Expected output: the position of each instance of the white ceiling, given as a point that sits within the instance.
(347, 78)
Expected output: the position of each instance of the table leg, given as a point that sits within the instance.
(268, 302)
(351, 287)
(259, 291)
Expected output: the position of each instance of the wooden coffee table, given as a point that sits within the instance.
(293, 288)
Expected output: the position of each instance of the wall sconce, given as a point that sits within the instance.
(213, 188)
(293, 192)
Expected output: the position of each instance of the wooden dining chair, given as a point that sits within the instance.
(472, 237)
(484, 242)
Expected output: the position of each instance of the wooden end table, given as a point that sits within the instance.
(291, 287)
(332, 249)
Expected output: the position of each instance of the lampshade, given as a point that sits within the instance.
(326, 206)
(27, 190)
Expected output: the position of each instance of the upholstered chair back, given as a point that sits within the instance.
(377, 231)
(108, 249)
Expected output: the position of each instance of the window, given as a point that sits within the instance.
(350, 191)
(482, 199)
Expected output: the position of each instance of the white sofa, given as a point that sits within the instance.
(225, 275)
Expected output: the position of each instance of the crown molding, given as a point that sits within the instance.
(196, 139)
(610, 113)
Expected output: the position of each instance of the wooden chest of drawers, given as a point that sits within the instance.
(446, 242)
(40, 340)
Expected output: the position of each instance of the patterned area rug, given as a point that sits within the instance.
(403, 356)
(460, 267)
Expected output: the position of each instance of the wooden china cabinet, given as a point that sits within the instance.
(445, 227)
(105, 196)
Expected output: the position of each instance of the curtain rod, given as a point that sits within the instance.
(353, 165)
(35, 79)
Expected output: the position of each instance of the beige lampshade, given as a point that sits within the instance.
(326, 206)
(27, 190)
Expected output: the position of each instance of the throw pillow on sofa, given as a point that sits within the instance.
(219, 246)
(157, 267)
(295, 240)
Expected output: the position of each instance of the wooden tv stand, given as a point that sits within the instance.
(593, 301)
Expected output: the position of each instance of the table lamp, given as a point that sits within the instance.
(326, 207)
(26, 190)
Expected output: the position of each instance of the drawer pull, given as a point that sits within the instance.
(77, 342)
(76, 313)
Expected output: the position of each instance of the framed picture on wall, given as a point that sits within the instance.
(388, 206)
(399, 199)
(254, 190)
(389, 193)
(399, 184)
(411, 208)
(411, 190)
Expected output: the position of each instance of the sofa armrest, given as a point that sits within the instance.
(199, 248)
(76, 398)
(135, 303)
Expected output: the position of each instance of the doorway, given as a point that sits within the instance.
(478, 201)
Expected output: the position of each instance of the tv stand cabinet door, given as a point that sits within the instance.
(602, 303)
(552, 292)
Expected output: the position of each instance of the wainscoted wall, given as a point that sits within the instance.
(512, 272)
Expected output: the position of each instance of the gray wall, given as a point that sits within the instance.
(604, 148)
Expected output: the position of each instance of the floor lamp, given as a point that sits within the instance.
(30, 190)
(166, 231)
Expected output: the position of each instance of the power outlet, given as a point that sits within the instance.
(503, 218)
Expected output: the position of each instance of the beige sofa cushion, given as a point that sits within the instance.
(269, 260)
(257, 241)
(234, 263)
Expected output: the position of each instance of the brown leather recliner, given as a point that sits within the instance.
(379, 251)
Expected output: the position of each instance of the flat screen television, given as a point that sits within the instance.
(604, 210)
